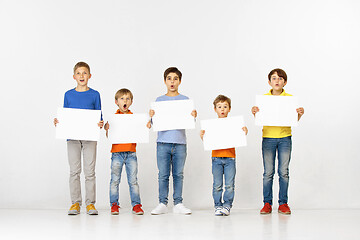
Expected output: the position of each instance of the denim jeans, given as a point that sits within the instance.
(223, 167)
(118, 159)
(171, 157)
(269, 147)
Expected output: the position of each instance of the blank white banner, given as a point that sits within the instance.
(128, 128)
(222, 133)
(276, 110)
(78, 124)
(170, 115)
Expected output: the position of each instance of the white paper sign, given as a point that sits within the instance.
(222, 133)
(170, 115)
(78, 124)
(128, 128)
(276, 110)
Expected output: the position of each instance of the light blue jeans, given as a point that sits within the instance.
(269, 147)
(171, 157)
(118, 159)
(223, 167)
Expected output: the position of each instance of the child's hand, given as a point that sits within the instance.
(194, 113)
(151, 113)
(107, 126)
(148, 125)
(101, 124)
(254, 110)
(56, 121)
(245, 130)
(300, 112)
(202, 133)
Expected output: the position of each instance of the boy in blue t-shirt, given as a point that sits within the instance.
(82, 97)
(171, 150)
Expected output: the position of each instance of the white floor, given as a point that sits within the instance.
(202, 224)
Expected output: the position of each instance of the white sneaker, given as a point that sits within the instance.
(218, 211)
(181, 209)
(225, 211)
(160, 209)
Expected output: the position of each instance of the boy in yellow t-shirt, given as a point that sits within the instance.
(223, 164)
(276, 139)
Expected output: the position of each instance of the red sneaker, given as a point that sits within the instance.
(266, 209)
(137, 210)
(284, 209)
(115, 209)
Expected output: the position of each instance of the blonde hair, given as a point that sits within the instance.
(122, 92)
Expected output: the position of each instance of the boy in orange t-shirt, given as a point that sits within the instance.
(124, 154)
(223, 164)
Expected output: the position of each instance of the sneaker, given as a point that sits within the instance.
(218, 211)
(160, 209)
(266, 209)
(115, 209)
(284, 209)
(181, 209)
(137, 210)
(91, 210)
(74, 209)
(225, 211)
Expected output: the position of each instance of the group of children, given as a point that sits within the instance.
(171, 152)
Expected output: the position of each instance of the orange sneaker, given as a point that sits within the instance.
(266, 209)
(137, 210)
(284, 209)
(115, 209)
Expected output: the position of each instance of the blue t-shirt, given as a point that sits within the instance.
(172, 136)
(89, 99)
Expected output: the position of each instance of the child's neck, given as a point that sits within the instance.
(172, 94)
(125, 112)
(276, 93)
(81, 88)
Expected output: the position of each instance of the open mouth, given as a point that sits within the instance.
(124, 106)
(172, 86)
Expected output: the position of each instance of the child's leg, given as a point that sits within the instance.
(229, 175)
(89, 158)
(163, 154)
(218, 173)
(117, 162)
(269, 146)
(74, 158)
(284, 155)
(131, 171)
(178, 163)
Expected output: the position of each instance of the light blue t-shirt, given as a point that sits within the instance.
(172, 136)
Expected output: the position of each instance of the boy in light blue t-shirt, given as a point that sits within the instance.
(171, 150)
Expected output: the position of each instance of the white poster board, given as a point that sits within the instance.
(78, 124)
(170, 115)
(222, 133)
(276, 110)
(128, 128)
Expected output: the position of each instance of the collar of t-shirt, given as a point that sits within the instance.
(281, 94)
(119, 112)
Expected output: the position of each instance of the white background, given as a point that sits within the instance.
(222, 47)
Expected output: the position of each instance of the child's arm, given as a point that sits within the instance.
(300, 112)
(194, 113)
(151, 114)
(101, 124)
(202, 133)
(245, 130)
(254, 110)
(56, 121)
(106, 128)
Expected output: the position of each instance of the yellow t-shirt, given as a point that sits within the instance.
(274, 131)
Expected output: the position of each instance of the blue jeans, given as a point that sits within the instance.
(269, 147)
(118, 159)
(171, 156)
(223, 167)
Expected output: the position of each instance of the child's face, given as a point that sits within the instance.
(277, 83)
(222, 109)
(124, 102)
(82, 76)
(172, 82)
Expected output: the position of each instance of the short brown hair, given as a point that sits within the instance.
(172, 70)
(280, 73)
(123, 91)
(222, 98)
(81, 64)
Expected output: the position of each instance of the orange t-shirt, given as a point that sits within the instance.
(228, 152)
(125, 147)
